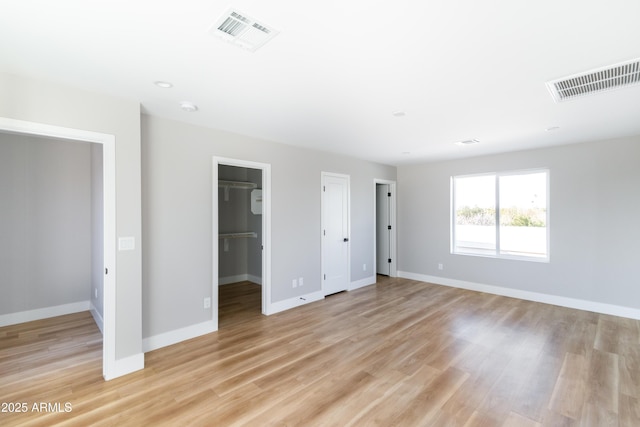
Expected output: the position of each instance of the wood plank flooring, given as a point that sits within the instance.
(399, 353)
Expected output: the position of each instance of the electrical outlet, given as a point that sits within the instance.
(301, 281)
(294, 283)
(95, 293)
(364, 267)
(207, 303)
(440, 266)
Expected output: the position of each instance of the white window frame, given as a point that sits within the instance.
(497, 253)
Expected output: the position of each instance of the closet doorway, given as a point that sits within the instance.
(104, 229)
(241, 237)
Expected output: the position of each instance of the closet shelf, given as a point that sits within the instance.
(247, 234)
(238, 184)
(242, 235)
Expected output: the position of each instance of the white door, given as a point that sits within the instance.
(335, 233)
(383, 229)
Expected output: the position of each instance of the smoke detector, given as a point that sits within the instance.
(189, 107)
(594, 81)
(468, 142)
(240, 29)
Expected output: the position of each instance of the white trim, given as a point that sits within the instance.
(239, 278)
(97, 317)
(362, 283)
(394, 226)
(43, 313)
(324, 175)
(266, 232)
(232, 279)
(290, 303)
(110, 369)
(41, 129)
(126, 366)
(580, 304)
(178, 335)
(109, 218)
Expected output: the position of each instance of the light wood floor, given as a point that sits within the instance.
(400, 353)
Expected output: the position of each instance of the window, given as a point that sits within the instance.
(501, 215)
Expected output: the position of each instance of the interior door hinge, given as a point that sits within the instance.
(388, 227)
(106, 271)
(389, 260)
(325, 277)
(388, 194)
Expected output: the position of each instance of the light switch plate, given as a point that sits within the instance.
(126, 243)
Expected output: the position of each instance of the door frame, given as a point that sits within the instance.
(21, 127)
(324, 175)
(266, 232)
(393, 253)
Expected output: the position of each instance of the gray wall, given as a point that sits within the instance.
(594, 232)
(177, 217)
(38, 101)
(45, 222)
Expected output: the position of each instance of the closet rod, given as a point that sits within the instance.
(238, 235)
(237, 184)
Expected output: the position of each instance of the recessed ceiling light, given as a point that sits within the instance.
(399, 114)
(552, 128)
(189, 107)
(164, 85)
(468, 142)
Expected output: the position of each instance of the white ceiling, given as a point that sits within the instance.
(338, 70)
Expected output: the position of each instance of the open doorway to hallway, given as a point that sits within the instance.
(385, 227)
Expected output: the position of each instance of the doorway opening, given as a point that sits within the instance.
(384, 230)
(103, 227)
(241, 238)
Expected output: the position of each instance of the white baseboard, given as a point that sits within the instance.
(43, 313)
(126, 365)
(173, 337)
(239, 278)
(362, 283)
(97, 317)
(254, 279)
(596, 307)
(277, 307)
(178, 335)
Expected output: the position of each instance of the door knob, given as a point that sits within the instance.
(346, 239)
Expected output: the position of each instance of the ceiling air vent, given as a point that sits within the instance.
(600, 80)
(240, 29)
